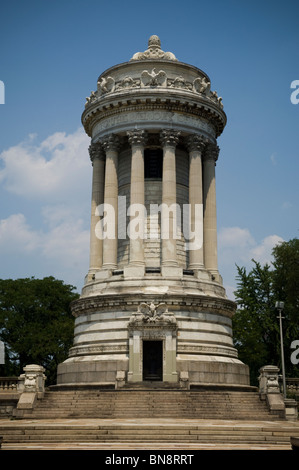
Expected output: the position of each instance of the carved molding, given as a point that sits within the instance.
(218, 351)
(128, 302)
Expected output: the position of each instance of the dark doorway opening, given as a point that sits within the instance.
(153, 161)
(152, 360)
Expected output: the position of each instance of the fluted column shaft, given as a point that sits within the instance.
(169, 140)
(97, 157)
(196, 145)
(110, 242)
(137, 140)
(210, 215)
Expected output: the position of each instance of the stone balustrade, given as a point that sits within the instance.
(8, 384)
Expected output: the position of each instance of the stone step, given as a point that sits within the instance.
(179, 431)
(150, 403)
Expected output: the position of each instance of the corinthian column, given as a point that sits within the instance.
(169, 140)
(196, 145)
(210, 215)
(97, 157)
(137, 209)
(110, 241)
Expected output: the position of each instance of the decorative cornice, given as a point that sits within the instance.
(101, 110)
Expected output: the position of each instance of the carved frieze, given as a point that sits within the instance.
(154, 79)
(180, 82)
(127, 82)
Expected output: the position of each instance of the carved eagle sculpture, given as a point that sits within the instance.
(152, 312)
(201, 85)
(153, 78)
(106, 85)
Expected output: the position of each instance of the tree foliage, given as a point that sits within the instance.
(255, 325)
(36, 324)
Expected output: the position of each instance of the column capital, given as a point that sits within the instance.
(137, 137)
(196, 142)
(169, 137)
(211, 152)
(96, 151)
(111, 142)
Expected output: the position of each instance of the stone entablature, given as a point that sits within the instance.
(127, 302)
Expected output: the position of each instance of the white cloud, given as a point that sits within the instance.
(51, 234)
(273, 159)
(16, 235)
(237, 246)
(263, 251)
(62, 250)
(57, 167)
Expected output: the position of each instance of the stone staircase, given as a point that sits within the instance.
(147, 434)
(153, 418)
(153, 403)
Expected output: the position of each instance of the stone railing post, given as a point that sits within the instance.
(268, 381)
(269, 390)
(31, 386)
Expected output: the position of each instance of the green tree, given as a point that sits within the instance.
(255, 331)
(36, 324)
(255, 324)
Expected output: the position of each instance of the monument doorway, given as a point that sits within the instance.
(152, 360)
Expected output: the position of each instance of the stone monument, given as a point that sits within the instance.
(153, 307)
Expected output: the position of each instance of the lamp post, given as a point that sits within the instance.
(280, 307)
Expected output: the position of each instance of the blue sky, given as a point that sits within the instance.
(51, 54)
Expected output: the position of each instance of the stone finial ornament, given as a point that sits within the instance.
(154, 51)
